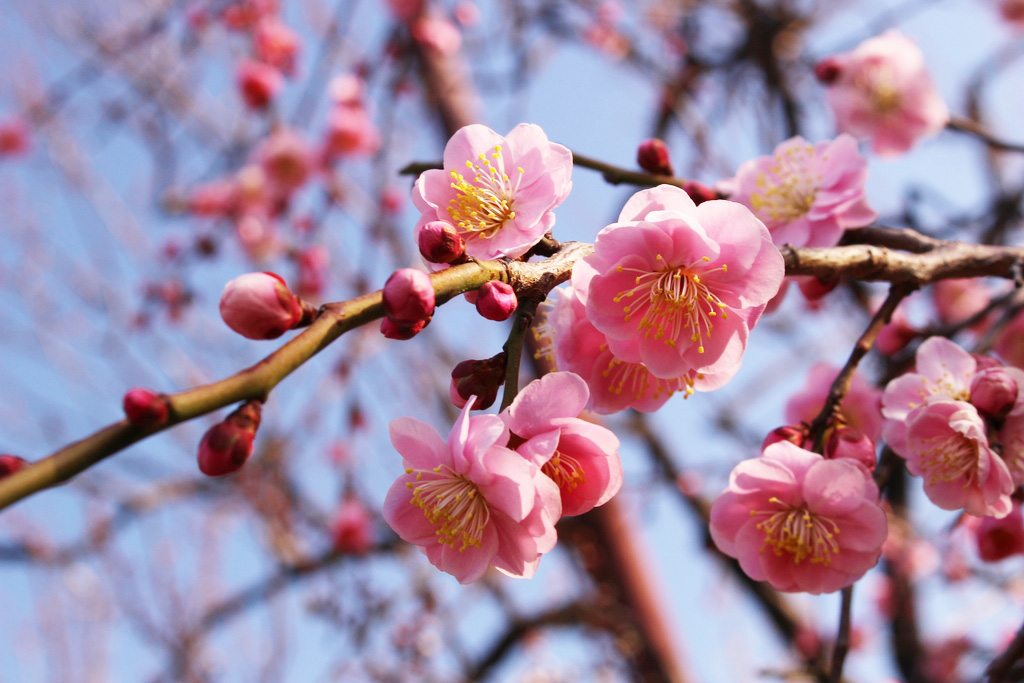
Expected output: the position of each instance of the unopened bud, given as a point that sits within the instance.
(795, 434)
(895, 335)
(984, 362)
(228, 444)
(652, 156)
(9, 464)
(352, 528)
(259, 306)
(497, 300)
(1000, 538)
(258, 83)
(994, 392)
(814, 288)
(847, 442)
(440, 242)
(699, 192)
(827, 71)
(145, 408)
(480, 378)
(408, 296)
(392, 330)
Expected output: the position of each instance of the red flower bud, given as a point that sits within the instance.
(259, 306)
(9, 464)
(408, 296)
(480, 378)
(827, 71)
(994, 392)
(795, 434)
(1000, 538)
(497, 300)
(145, 408)
(652, 156)
(847, 442)
(815, 288)
(699, 192)
(258, 83)
(401, 332)
(228, 444)
(440, 242)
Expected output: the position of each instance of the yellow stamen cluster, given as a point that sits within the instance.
(878, 82)
(672, 302)
(637, 380)
(786, 191)
(453, 503)
(565, 470)
(799, 532)
(484, 197)
(952, 458)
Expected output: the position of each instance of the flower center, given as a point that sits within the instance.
(637, 380)
(799, 532)
(672, 302)
(453, 503)
(953, 458)
(879, 83)
(565, 470)
(483, 204)
(787, 190)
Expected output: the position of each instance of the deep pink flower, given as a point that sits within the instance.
(883, 91)
(998, 539)
(582, 458)
(860, 408)
(471, 503)
(314, 270)
(440, 242)
(805, 194)
(684, 282)
(947, 446)
(497, 191)
(800, 522)
(259, 306)
(1009, 343)
(994, 391)
(1013, 12)
(9, 464)
(479, 379)
(214, 198)
(895, 334)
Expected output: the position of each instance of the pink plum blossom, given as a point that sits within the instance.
(806, 194)
(350, 132)
(998, 539)
(259, 306)
(947, 446)
(859, 409)
(582, 458)
(497, 191)
(957, 299)
(799, 521)
(882, 90)
(684, 283)
(471, 503)
(286, 159)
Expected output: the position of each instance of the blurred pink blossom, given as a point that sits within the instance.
(286, 159)
(860, 408)
(276, 44)
(998, 539)
(258, 83)
(15, 135)
(437, 34)
(352, 528)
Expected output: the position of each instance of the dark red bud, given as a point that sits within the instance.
(228, 444)
(652, 156)
(440, 242)
(145, 408)
(699, 192)
(815, 288)
(9, 464)
(795, 434)
(480, 378)
(393, 330)
(827, 71)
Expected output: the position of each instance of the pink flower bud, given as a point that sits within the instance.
(815, 288)
(408, 296)
(480, 378)
(497, 301)
(258, 83)
(9, 464)
(14, 137)
(400, 331)
(795, 434)
(440, 242)
(984, 362)
(652, 156)
(994, 392)
(1000, 538)
(827, 70)
(145, 408)
(699, 192)
(276, 44)
(847, 442)
(228, 444)
(352, 528)
(259, 306)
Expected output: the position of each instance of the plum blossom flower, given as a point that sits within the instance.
(471, 503)
(497, 191)
(882, 90)
(806, 194)
(946, 444)
(580, 457)
(799, 521)
(998, 539)
(859, 409)
(685, 283)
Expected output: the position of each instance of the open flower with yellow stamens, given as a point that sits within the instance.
(497, 191)
(799, 521)
(471, 503)
(683, 283)
(805, 194)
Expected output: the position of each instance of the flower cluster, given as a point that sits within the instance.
(958, 420)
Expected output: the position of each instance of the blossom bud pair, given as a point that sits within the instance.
(228, 444)
(408, 299)
(480, 378)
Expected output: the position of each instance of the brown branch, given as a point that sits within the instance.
(971, 127)
(842, 645)
(1003, 667)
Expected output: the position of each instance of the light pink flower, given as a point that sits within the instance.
(582, 458)
(947, 446)
(800, 522)
(860, 408)
(806, 195)
(943, 372)
(259, 306)
(882, 90)
(684, 282)
(214, 198)
(471, 503)
(497, 191)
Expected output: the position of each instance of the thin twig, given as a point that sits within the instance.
(971, 127)
(842, 645)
